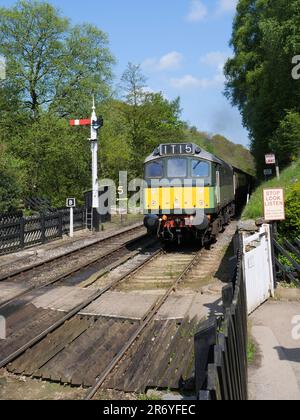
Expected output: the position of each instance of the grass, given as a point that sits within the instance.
(251, 351)
(289, 285)
(289, 177)
(149, 397)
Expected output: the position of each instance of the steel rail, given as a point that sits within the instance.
(74, 270)
(75, 311)
(145, 322)
(67, 254)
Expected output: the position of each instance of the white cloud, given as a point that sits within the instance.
(190, 82)
(215, 59)
(225, 6)
(197, 11)
(170, 61)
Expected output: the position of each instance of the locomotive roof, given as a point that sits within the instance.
(202, 154)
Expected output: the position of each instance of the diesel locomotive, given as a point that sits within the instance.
(190, 193)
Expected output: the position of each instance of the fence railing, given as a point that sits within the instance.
(18, 232)
(221, 365)
(287, 260)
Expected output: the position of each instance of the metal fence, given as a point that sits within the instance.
(221, 366)
(18, 232)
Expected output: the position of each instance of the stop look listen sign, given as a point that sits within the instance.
(274, 204)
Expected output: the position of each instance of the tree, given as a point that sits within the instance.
(56, 159)
(259, 80)
(133, 85)
(53, 68)
(11, 181)
(51, 63)
(286, 140)
(150, 118)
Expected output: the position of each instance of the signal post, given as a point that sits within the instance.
(95, 124)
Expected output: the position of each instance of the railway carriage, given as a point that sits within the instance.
(190, 192)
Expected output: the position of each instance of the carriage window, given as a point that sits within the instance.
(154, 170)
(200, 169)
(177, 168)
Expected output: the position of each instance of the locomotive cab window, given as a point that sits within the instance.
(200, 169)
(154, 170)
(177, 168)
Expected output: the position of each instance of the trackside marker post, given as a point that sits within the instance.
(71, 204)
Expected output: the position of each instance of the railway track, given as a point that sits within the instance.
(20, 309)
(50, 341)
(88, 258)
(7, 274)
(148, 318)
(128, 348)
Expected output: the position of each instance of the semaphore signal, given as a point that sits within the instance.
(95, 124)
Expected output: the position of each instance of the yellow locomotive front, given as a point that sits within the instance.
(181, 198)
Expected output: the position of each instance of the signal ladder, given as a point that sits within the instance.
(89, 219)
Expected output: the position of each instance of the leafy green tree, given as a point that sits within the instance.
(51, 63)
(150, 118)
(115, 148)
(286, 140)
(259, 81)
(53, 69)
(56, 159)
(11, 181)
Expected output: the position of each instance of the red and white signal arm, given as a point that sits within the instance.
(270, 159)
(75, 123)
(71, 203)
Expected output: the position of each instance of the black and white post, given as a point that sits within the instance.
(71, 204)
(94, 148)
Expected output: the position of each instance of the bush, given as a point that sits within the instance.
(291, 227)
(290, 181)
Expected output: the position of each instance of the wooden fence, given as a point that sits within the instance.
(221, 366)
(18, 232)
(287, 260)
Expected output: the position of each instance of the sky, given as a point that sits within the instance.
(181, 45)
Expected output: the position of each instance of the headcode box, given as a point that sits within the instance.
(274, 204)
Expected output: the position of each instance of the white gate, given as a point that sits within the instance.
(258, 268)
